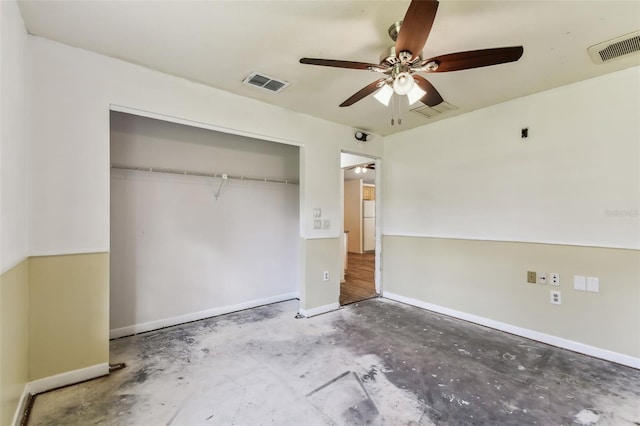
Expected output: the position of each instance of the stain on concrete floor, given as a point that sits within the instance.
(375, 362)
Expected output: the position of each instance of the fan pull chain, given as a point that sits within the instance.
(396, 107)
(394, 104)
(396, 110)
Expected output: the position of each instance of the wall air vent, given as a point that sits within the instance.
(265, 82)
(433, 111)
(616, 48)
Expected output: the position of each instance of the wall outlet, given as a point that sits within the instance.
(325, 276)
(556, 297)
(554, 279)
(542, 278)
(531, 277)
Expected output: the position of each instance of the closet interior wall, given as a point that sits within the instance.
(177, 252)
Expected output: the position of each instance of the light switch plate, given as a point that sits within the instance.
(593, 284)
(579, 282)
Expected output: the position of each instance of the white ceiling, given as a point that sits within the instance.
(219, 43)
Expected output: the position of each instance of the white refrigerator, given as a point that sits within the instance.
(368, 225)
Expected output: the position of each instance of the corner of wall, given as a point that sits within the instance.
(14, 330)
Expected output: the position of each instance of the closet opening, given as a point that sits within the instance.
(202, 223)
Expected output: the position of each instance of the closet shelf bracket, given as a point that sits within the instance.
(222, 181)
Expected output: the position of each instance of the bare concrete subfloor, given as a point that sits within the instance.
(374, 362)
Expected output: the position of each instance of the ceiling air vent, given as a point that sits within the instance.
(433, 111)
(616, 48)
(265, 82)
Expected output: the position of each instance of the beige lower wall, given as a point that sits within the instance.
(68, 313)
(320, 255)
(14, 331)
(488, 279)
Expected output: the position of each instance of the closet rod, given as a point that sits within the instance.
(197, 173)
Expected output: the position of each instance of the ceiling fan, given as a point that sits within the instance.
(362, 168)
(401, 63)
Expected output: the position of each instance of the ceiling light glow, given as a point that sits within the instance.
(403, 83)
(415, 94)
(384, 94)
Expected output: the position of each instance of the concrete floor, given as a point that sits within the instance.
(373, 362)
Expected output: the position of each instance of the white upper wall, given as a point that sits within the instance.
(13, 147)
(575, 180)
(201, 150)
(70, 95)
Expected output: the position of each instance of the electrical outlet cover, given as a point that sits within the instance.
(542, 278)
(554, 279)
(556, 297)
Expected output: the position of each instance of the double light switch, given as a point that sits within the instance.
(582, 283)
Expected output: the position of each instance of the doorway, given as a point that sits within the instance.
(361, 228)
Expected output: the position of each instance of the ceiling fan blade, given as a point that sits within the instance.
(416, 26)
(339, 64)
(365, 91)
(476, 58)
(432, 98)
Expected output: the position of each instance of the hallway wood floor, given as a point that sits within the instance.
(360, 278)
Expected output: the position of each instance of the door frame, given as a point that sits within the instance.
(379, 208)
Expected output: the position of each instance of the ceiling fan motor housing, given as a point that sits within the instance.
(389, 57)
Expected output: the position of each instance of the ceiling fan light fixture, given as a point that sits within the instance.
(403, 83)
(415, 94)
(358, 170)
(384, 94)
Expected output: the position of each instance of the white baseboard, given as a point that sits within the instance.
(68, 378)
(24, 398)
(195, 316)
(320, 310)
(523, 332)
